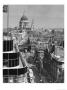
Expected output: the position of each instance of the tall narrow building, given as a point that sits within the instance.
(13, 69)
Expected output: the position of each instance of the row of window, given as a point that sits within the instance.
(17, 71)
(10, 55)
(7, 45)
(13, 80)
(11, 63)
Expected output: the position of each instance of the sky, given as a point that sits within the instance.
(48, 16)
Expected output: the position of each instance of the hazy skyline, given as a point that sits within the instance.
(49, 16)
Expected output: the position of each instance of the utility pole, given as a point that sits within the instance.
(8, 19)
(6, 11)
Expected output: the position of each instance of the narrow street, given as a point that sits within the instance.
(38, 78)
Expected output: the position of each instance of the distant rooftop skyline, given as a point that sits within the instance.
(48, 16)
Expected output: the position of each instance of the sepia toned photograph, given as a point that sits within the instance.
(33, 44)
